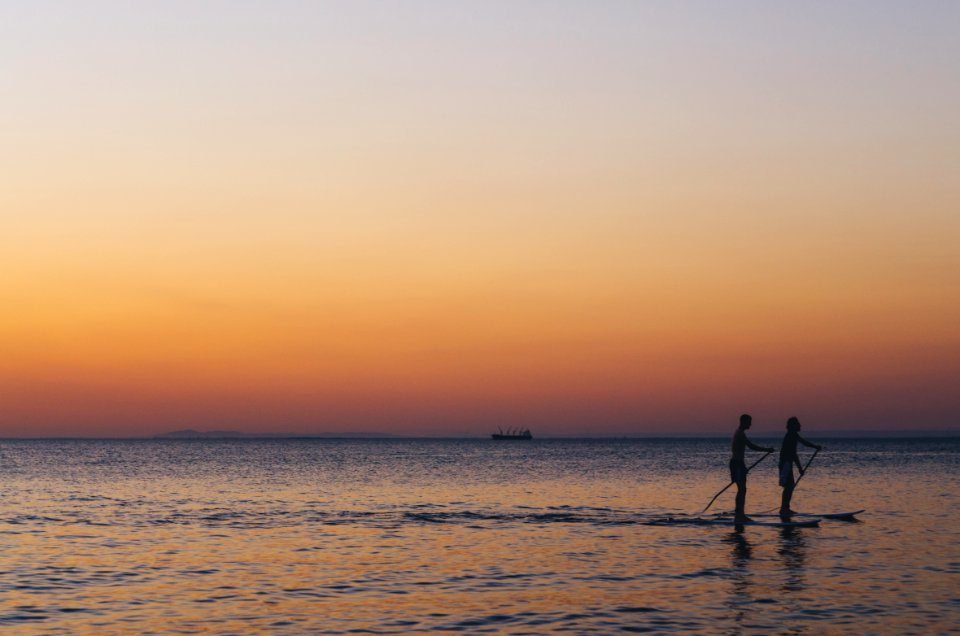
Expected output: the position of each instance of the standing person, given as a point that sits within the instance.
(789, 457)
(738, 468)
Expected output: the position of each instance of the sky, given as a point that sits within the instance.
(440, 218)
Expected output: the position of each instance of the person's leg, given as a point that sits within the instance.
(785, 500)
(741, 496)
(788, 485)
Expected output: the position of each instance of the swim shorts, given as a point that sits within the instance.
(786, 474)
(738, 470)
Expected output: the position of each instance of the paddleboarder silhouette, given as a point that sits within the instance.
(789, 457)
(738, 468)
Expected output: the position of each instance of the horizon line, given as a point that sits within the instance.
(372, 436)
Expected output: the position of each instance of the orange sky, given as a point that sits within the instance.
(601, 220)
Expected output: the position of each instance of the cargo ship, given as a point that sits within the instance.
(513, 433)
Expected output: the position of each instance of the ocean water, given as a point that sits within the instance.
(407, 536)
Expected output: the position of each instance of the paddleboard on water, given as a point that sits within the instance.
(838, 516)
(729, 521)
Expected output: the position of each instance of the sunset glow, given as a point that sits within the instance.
(426, 218)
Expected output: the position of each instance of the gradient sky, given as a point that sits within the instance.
(443, 217)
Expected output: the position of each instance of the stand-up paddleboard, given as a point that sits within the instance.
(730, 521)
(837, 516)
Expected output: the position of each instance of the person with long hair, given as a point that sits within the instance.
(789, 457)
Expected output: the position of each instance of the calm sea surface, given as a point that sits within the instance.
(345, 536)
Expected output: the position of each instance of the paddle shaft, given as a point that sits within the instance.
(801, 475)
(733, 482)
(809, 461)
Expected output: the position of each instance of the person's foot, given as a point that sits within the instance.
(742, 519)
(786, 513)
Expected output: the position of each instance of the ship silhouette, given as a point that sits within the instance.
(513, 433)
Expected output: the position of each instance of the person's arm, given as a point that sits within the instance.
(755, 447)
(809, 444)
(796, 460)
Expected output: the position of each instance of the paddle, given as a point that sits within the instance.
(800, 477)
(733, 482)
(805, 469)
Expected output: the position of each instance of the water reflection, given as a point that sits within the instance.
(741, 596)
(793, 554)
(768, 591)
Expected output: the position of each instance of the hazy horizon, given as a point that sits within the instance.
(821, 434)
(589, 218)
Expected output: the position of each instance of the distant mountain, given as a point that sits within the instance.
(189, 433)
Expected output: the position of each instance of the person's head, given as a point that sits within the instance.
(793, 424)
(745, 421)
